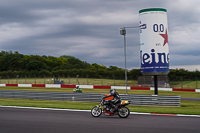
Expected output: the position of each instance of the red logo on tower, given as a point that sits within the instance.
(165, 36)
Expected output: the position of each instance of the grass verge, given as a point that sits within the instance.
(139, 92)
(187, 107)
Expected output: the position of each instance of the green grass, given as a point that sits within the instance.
(185, 84)
(139, 92)
(187, 107)
(46, 104)
(97, 81)
(82, 81)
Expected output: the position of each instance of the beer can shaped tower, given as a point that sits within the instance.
(154, 47)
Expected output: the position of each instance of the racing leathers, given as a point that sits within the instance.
(116, 99)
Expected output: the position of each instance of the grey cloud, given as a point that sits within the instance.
(88, 29)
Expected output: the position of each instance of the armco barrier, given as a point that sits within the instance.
(144, 100)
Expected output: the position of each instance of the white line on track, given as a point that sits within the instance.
(37, 108)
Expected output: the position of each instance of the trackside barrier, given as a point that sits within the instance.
(197, 90)
(140, 100)
(97, 87)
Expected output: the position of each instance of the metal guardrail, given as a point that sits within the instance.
(140, 100)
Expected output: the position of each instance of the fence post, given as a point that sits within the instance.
(87, 79)
(44, 79)
(8, 78)
(181, 82)
(167, 81)
(196, 83)
(35, 79)
(69, 79)
(53, 80)
(114, 80)
(25, 79)
(101, 80)
(17, 79)
(77, 79)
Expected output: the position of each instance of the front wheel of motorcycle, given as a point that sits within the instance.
(124, 112)
(96, 112)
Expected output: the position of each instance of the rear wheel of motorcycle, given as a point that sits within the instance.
(124, 112)
(96, 112)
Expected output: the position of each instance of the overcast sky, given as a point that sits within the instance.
(89, 29)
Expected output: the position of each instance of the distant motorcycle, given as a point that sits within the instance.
(77, 89)
(121, 110)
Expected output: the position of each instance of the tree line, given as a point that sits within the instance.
(14, 63)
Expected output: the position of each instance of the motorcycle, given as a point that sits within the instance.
(121, 110)
(77, 89)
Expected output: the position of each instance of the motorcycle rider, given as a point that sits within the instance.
(116, 99)
(77, 88)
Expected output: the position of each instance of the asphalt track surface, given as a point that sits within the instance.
(15, 120)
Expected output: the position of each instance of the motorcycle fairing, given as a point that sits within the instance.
(124, 102)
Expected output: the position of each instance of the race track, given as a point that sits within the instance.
(15, 120)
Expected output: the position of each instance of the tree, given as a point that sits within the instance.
(74, 62)
(35, 65)
(134, 74)
(114, 68)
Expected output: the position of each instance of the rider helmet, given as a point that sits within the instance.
(112, 91)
